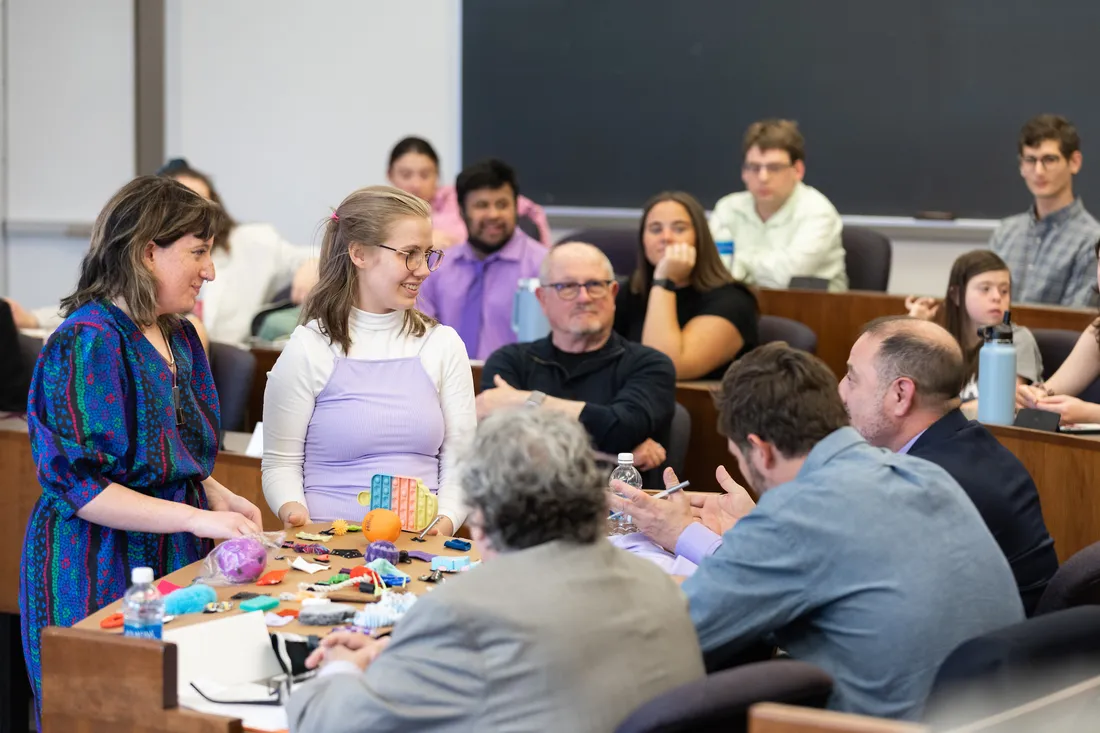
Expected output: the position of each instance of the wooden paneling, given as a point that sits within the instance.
(1066, 470)
(18, 493)
(139, 693)
(770, 717)
(838, 318)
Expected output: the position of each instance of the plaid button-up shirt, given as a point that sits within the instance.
(1052, 260)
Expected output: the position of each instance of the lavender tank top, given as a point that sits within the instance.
(373, 417)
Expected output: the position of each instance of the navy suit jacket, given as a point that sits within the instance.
(1002, 490)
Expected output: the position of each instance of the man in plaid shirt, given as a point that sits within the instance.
(1050, 249)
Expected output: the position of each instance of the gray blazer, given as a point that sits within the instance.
(555, 637)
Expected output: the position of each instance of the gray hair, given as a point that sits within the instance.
(547, 261)
(532, 474)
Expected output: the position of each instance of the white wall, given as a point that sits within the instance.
(292, 105)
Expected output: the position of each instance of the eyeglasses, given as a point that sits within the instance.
(570, 291)
(414, 258)
(1049, 161)
(771, 168)
(279, 688)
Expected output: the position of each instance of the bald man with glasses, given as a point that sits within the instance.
(623, 393)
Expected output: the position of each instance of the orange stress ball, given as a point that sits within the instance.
(381, 524)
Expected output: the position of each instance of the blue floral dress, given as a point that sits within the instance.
(101, 411)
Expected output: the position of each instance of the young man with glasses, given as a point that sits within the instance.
(780, 227)
(1050, 248)
(472, 292)
(622, 392)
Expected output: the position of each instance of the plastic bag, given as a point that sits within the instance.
(239, 560)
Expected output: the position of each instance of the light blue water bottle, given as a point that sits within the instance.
(723, 240)
(997, 374)
(528, 321)
(142, 607)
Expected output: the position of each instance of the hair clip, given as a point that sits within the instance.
(335, 216)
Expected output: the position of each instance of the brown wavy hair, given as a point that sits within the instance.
(364, 219)
(709, 272)
(147, 209)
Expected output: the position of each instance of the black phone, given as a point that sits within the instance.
(1037, 420)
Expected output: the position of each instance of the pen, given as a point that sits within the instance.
(660, 495)
(420, 537)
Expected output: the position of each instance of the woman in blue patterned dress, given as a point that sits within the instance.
(123, 417)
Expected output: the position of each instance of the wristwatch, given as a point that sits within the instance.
(666, 283)
(535, 400)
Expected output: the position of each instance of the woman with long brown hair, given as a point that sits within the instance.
(123, 417)
(979, 293)
(369, 385)
(681, 299)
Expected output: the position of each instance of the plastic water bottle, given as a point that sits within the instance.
(142, 607)
(997, 374)
(723, 240)
(629, 475)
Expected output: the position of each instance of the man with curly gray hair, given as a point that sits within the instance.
(557, 630)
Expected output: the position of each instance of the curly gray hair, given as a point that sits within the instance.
(532, 474)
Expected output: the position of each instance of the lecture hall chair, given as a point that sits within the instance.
(1015, 665)
(232, 368)
(1054, 346)
(620, 246)
(867, 257)
(720, 702)
(796, 334)
(1077, 583)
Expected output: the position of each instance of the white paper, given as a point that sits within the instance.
(301, 563)
(258, 717)
(231, 651)
(255, 447)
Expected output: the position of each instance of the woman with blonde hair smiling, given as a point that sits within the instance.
(369, 385)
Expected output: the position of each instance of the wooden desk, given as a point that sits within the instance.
(838, 318)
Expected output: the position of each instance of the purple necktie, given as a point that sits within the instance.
(470, 327)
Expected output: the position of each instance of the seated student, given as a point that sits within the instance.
(781, 228)
(473, 291)
(252, 261)
(15, 376)
(871, 565)
(978, 295)
(414, 168)
(1078, 371)
(1049, 248)
(623, 393)
(901, 394)
(369, 384)
(681, 300)
(549, 634)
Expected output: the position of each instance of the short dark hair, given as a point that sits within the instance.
(1049, 127)
(775, 135)
(491, 173)
(784, 396)
(937, 370)
(413, 145)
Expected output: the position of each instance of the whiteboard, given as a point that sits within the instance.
(70, 107)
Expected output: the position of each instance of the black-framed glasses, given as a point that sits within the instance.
(279, 688)
(1049, 161)
(414, 258)
(771, 168)
(570, 291)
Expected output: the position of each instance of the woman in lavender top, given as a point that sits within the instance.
(369, 385)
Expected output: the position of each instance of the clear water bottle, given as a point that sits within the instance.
(997, 374)
(629, 475)
(142, 607)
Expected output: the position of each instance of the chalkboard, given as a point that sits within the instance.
(905, 106)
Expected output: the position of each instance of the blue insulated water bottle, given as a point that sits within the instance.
(997, 374)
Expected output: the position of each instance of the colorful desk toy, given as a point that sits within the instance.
(409, 498)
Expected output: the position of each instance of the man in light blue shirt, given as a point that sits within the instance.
(871, 565)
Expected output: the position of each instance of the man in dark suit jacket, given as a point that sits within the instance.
(904, 377)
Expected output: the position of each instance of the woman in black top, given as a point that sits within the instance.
(681, 299)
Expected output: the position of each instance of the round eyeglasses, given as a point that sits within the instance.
(414, 258)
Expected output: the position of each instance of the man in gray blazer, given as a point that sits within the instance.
(557, 630)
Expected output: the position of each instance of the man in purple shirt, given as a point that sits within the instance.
(472, 290)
